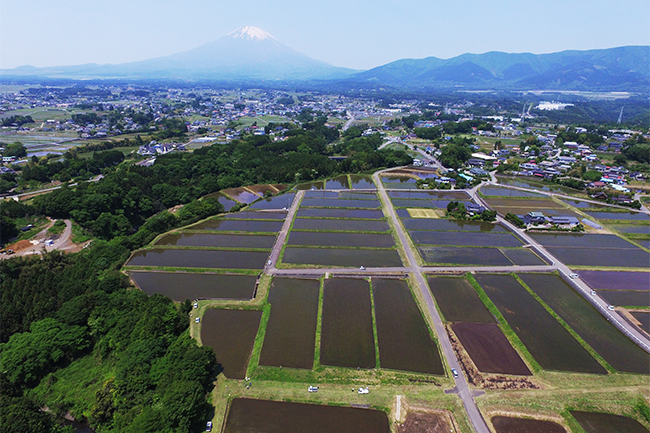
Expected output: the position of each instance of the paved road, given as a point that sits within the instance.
(475, 417)
(349, 122)
(282, 235)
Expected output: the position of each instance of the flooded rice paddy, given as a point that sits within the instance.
(465, 239)
(611, 257)
(644, 318)
(341, 257)
(340, 213)
(340, 225)
(451, 225)
(596, 422)
(397, 179)
(626, 298)
(241, 195)
(361, 240)
(630, 216)
(402, 334)
(458, 301)
(428, 204)
(489, 349)
(617, 280)
(362, 182)
(632, 228)
(231, 334)
(340, 182)
(618, 350)
(464, 256)
(310, 185)
(339, 202)
(523, 257)
(217, 240)
(581, 240)
(177, 258)
(506, 424)
(358, 195)
(248, 215)
(347, 332)
(277, 202)
(263, 416)
(180, 286)
(498, 191)
(231, 225)
(291, 330)
(552, 346)
(430, 195)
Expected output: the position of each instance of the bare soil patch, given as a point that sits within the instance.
(425, 422)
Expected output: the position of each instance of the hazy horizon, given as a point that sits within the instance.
(350, 34)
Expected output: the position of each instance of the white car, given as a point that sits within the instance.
(208, 426)
(574, 275)
(364, 391)
(197, 320)
(312, 389)
(454, 372)
(610, 307)
(593, 293)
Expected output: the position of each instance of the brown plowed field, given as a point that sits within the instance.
(424, 422)
(506, 424)
(490, 349)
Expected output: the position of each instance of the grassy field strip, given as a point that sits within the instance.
(374, 323)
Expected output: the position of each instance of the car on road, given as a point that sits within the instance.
(610, 307)
(574, 275)
(454, 372)
(593, 293)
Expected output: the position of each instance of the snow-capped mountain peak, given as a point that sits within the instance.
(250, 33)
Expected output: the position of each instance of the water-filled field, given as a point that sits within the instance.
(612, 257)
(340, 182)
(176, 258)
(277, 202)
(632, 228)
(250, 215)
(340, 225)
(362, 182)
(506, 192)
(458, 301)
(231, 225)
(340, 213)
(644, 318)
(506, 424)
(340, 202)
(583, 204)
(618, 350)
(310, 185)
(552, 346)
(341, 257)
(530, 203)
(430, 195)
(263, 416)
(180, 286)
(489, 349)
(464, 256)
(523, 257)
(368, 240)
(581, 240)
(291, 330)
(465, 239)
(396, 179)
(413, 203)
(231, 334)
(451, 225)
(241, 195)
(626, 297)
(596, 422)
(217, 240)
(358, 195)
(630, 216)
(347, 333)
(402, 334)
(225, 201)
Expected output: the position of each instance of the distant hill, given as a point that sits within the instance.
(615, 69)
(251, 55)
(247, 54)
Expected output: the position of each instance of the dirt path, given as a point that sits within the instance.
(63, 242)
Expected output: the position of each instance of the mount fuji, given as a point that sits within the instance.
(246, 54)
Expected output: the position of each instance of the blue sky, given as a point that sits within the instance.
(351, 33)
